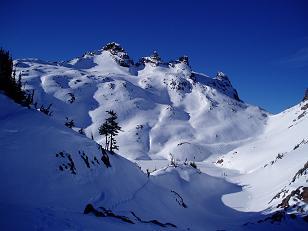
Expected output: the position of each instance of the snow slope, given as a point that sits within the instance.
(32, 181)
(40, 196)
(273, 165)
(163, 108)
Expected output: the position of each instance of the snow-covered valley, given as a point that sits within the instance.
(214, 161)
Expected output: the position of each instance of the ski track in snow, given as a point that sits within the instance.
(119, 203)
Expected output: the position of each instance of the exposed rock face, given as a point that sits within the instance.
(155, 56)
(222, 77)
(154, 59)
(225, 84)
(113, 47)
(184, 59)
(120, 55)
(300, 194)
(303, 170)
(304, 194)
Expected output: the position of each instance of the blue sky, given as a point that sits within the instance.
(262, 45)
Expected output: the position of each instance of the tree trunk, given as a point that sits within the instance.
(111, 143)
(106, 143)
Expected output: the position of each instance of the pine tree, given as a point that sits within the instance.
(306, 95)
(110, 128)
(114, 129)
(69, 123)
(104, 130)
(6, 71)
(9, 84)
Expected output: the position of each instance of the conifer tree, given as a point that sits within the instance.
(306, 95)
(104, 130)
(9, 84)
(110, 129)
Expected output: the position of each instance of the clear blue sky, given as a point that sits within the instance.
(261, 44)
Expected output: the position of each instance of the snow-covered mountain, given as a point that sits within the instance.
(163, 107)
(50, 174)
(249, 169)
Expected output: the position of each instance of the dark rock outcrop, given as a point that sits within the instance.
(119, 54)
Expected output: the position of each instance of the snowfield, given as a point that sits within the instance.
(251, 167)
(270, 164)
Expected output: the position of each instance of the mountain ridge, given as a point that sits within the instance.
(149, 97)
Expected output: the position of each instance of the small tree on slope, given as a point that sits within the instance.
(110, 128)
(104, 130)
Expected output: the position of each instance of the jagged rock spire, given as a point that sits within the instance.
(113, 47)
(155, 56)
(119, 54)
(154, 59)
(222, 76)
(225, 85)
(184, 59)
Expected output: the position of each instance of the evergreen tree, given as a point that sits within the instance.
(114, 129)
(6, 72)
(69, 123)
(110, 129)
(9, 84)
(104, 130)
(306, 95)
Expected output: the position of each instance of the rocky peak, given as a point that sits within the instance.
(184, 59)
(155, 56)
(222, 76)
(223, 83)
(154, 59)
(119, 54)
(113, 47)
